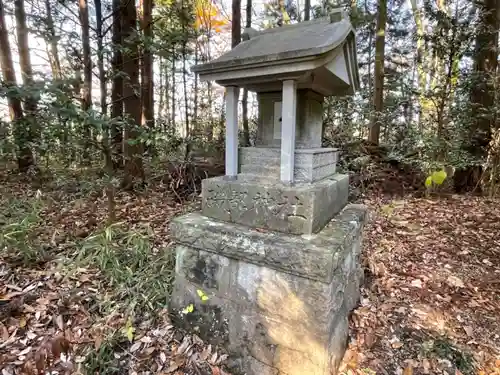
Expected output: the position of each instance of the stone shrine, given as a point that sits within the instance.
(275, 248)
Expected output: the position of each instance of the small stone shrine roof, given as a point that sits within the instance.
(278, 50)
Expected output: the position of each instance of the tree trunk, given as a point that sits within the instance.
(186, 102)
(421, 63)
(236, 23)
(117, 87)
(307, 10)
(244, 100)
(55, 63)
(482, 95)
(87, 75)
(30, 106)
(25, 155)
(146, 20)
(100, 56)
(168, 119)
(378, 96)
(132, 102)
(174, 88)
(195, 98)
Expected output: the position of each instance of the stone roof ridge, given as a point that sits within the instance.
(337, 15)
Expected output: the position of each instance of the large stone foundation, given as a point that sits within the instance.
(278, 302)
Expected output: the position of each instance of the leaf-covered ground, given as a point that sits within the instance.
(431, 301)
(77, 298)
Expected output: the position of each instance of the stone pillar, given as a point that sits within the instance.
(288, 115)
(232, 94)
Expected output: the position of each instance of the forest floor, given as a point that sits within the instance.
(430, 305)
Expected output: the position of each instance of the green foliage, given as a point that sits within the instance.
(19, 221)
(130, 265)
(103, 360)
(443, 348)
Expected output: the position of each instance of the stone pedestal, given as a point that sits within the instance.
(278, 302)
(261, 203)
(311, 164)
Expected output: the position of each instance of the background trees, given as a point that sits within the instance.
(81, 78)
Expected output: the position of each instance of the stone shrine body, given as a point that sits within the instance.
(275, 246)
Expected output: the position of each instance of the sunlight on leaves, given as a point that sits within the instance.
(439, 177)
(202, 295)
(129, 330)
(188, 309)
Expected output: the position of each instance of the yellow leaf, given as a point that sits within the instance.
(202, 295)
(438, 177)
(129, 330)
(22, 322)
(188, 309)
(408, 371)
(428, 181)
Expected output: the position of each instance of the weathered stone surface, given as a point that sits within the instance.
(310, 164)
(314, 256)
(297, 209)
(274, 318)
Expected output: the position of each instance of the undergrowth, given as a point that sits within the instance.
(129, 277)
(19, 224)
(130, 266)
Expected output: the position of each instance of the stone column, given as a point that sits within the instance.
(288, 117)
(232, 94)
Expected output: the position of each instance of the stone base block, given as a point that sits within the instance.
(311, 165)
(279, 303)
(296, 209)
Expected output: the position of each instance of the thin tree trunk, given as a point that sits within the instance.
(186, 102)
(100, 56)
(378, 97)
(307, 10)
(117, 87)
(174, 89)
(168, 119)
(30, 106)
(244, 100)
(55, 63)
(421, 62)
(236, 23)
(25, 156)
(195, 98)
(161, 97)
(132, 102)
(146, 20)
(87, 76)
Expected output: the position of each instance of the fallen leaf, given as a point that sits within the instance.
(136, 346)
(397, 345)
(417, 283)
(149, 350)
(22, 322)
(469, 330)
(408, 371)
(97, 342)
(60, 322)
(173, 366)
(4, 332)
(25, 351)
(455, 281)
(426, 366)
